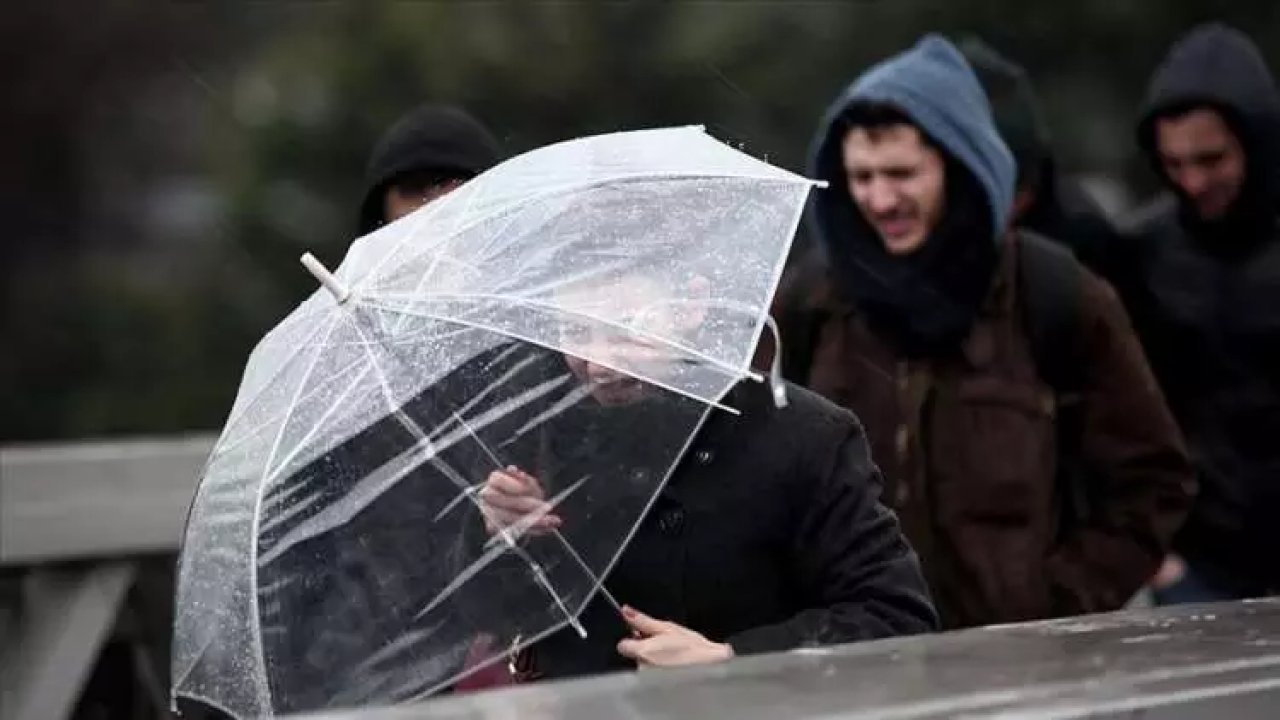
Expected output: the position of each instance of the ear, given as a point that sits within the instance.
(1022, 201)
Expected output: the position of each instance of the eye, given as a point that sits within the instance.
(1210, 159)
(901, 173)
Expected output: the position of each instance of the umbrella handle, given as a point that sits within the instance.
(776, 385)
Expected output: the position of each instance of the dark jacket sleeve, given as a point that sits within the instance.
(1143, 483)
(852, 562)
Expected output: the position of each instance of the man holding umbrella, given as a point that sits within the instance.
(511, 417)
(768, 536)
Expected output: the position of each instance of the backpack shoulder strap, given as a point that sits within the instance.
(1050, 287)
(799, 319)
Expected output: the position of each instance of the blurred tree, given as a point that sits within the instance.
(174, 160)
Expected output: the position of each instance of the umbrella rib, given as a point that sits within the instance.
(565, 402)
(779, 266)
(418, 217)
(510, 374)
(437, 257)
(571, 187)
(491, 553)
(518, 529)
(553, 503)
(569, 400)
(333, 407)
(446, 441)
(333, 515)
(411, 425)
(553, 309)
(229, 444)
(320, 327)
(263, 689)
(530, 519)
(533, 341)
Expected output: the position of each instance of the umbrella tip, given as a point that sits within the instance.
(326, 278)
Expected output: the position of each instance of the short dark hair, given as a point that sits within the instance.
(875, 116)
(1182, 108)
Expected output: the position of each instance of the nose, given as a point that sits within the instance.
(1194, 182)
(881, 197)
(595, 346)
(599, 372)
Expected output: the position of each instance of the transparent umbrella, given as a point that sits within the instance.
(575, 312)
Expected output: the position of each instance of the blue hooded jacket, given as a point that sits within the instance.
(927, 299)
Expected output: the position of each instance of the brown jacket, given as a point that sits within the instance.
(967, 446)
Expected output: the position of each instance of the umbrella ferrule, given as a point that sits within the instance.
(340, 292)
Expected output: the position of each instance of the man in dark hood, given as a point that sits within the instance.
(1044, 202)
(428, 152)
(915, 320)
(1202, 264)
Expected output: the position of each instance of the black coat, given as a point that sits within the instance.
(1205, 298)
(769, 536)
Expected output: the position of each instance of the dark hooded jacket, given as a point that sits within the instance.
(770, 535)
(430, 138)
(925, 301)
(1060, 209)
(1205, 297)
(966, 431)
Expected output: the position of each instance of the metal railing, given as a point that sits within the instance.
(79, 521)
(76, 522)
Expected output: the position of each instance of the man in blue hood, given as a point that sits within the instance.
(1201, 275)
(919, 317)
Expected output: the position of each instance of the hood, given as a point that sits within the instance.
(1219, 66)
(432, 138)
(928, 298)
(1015, 107)
(935, 86)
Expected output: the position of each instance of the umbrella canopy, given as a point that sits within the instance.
(575, 313)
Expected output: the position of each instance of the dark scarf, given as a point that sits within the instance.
(924, 302)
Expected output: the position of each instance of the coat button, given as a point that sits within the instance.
(703, 457)
(671, 522)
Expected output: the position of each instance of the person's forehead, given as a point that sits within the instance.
(1202, 125)
(888, 143)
